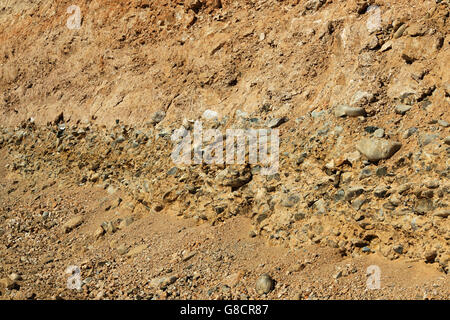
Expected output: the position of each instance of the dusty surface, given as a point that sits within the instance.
(219, 262)
(358, 89)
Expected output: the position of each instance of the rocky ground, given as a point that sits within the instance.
(88, 178)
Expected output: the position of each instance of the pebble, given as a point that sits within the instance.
(443, 123)
(158, 116)
(210, 115)
(276, 122)
(426, 139)
(408, 133)
(402, 109)
(15, 277)
(122, 249)
(120, 139)
(344, 110)
(365, 173)
(317, 114)
(430, 256)
(108, 227)
(370, 129)
(398, 249)
(320, 206)
(377, 149)
(353, 192)
(264, 284)
(172, 171)
(72, 224)
(381, 192)
(381, 172)
(400, 31)
(379, 133)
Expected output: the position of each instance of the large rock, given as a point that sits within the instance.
(378, 149)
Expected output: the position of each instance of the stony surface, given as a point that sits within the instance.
(88, 178)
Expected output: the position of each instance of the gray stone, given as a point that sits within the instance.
(408, 133)
(370, 129)
(172, 171)
(109, 227)
(340, 194)
(379, 133)
(120, 139)
(381, 192)
(125, 222)
(443, 123)
(398, 249)
(423, 206)
(377, 149)
(402, 109)
(426, 139)
(317, 114)
(290, 201)
(353, 193)
(358, 203)
(158, 116)
(233, 178)
(365, 173)
(320, 206)
(264, 284)
(344, 110)
(381, 172)
(274, 123)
